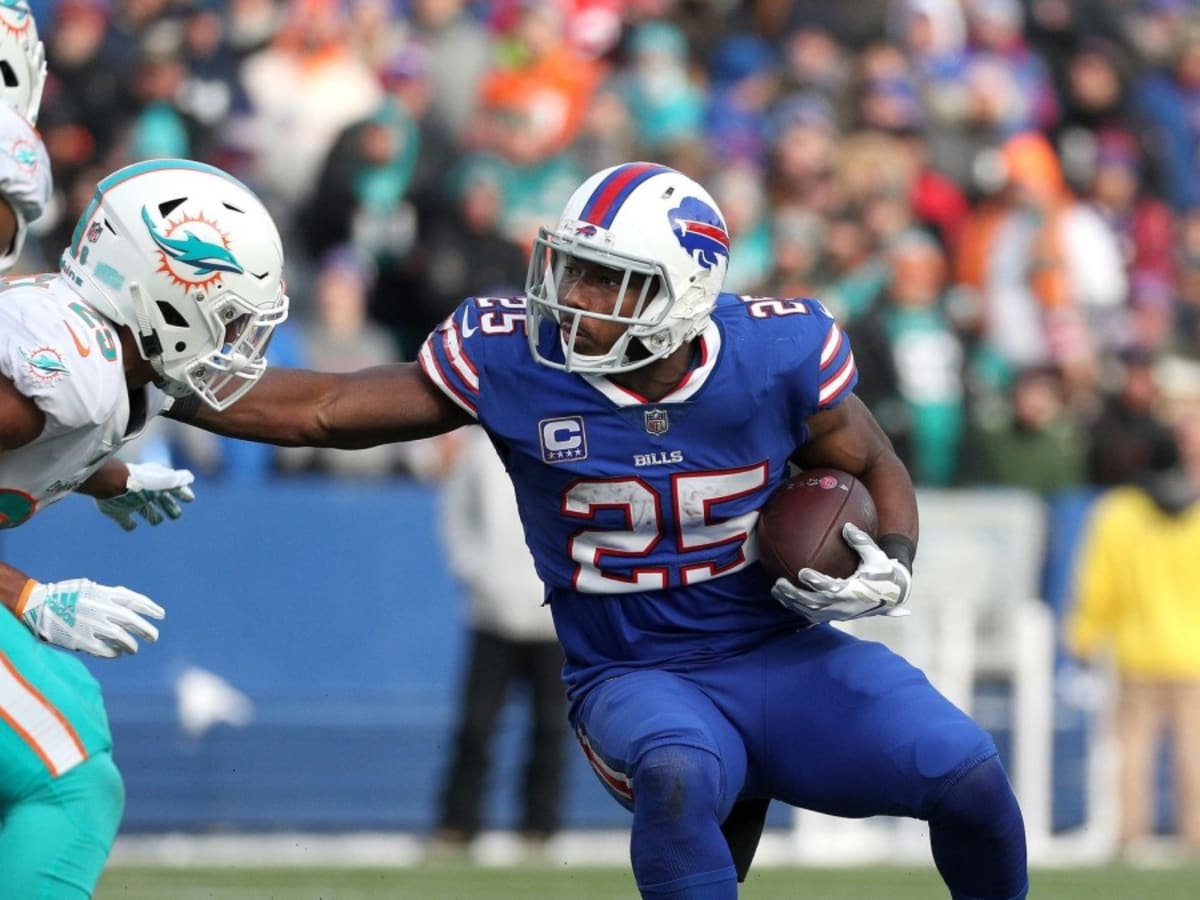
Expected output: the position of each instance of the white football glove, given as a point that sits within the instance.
(878, 587)
(81, 615)
(152, 491)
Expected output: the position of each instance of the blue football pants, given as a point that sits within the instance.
(818, 719)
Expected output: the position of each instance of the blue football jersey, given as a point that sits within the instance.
(640, 515)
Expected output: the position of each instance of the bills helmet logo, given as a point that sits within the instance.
(700, 231)
(586, 230)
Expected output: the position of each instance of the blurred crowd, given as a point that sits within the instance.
(1000, 199)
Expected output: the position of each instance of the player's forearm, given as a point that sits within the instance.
(849, 438)
(283, 408)
(300, 408)
(889, 483)
(110, 480)
(12, 583)
(891, 488)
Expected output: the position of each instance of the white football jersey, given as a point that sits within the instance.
(66, 357)
(24, 177)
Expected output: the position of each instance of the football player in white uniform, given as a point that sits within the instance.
(172, 285)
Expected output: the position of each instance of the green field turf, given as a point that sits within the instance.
(457, 883)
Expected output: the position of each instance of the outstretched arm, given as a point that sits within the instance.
(301, 408)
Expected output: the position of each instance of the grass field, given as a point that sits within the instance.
(468, 883)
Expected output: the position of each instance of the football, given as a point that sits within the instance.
(800, 525)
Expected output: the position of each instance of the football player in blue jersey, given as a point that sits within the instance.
(644, 417)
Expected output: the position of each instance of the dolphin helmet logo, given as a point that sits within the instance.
(700, 231)
(194, 259)
(15, 17)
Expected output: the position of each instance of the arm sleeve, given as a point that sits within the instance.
(451, 354)
(817, 365)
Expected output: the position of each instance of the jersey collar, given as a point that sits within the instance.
(709, 342)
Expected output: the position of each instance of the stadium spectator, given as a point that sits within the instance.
(460, 55)
(1168, 99)
(512, 643)
(1128, 438)
(461, 248)
(212, 93)
(997, 43)
(1135, 604)
(254, 25)
(739, 189)
(664, 101)
(803, 146)
(1053, 274)
(540, 76)
(797, 239)
(1145, 231)
(86, 88)
(911, 361)
(1038, 443)
(744, 79)
(304, 88)
(813, 60)
(160, 127)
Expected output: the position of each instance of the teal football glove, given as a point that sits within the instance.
(153, 492)
(879, 587)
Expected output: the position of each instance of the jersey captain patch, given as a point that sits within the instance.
(563, 439)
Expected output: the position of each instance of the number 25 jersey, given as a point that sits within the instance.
(640, 514)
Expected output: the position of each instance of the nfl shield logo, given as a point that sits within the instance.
(657, 421)
(94, 232)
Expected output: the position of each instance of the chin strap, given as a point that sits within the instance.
(147, 336)
(181, 409)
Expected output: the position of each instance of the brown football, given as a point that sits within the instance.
(800, 525)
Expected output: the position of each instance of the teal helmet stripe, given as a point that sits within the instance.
(122, 175)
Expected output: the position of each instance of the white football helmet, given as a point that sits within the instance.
(22, 59)
(189, 259)
(638, 219)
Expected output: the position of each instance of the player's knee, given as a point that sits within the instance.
(978, 837)
(677, 847)
(981, 800)
(676, 783)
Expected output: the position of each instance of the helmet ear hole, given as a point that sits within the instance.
(180, 346)
(8, 75)
(171, 315)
